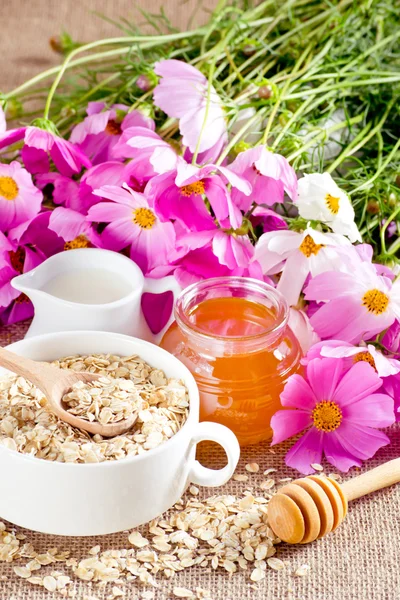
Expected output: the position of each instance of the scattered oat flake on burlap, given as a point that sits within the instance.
(239, 477)
(136, 539)
(276, 563)
(22, 572)
(269, 471)
(268, 484)
(257, 574)
(181, 592)
(302, 570)
(117, 592)
(194, 490)
(317, 466)
(252, 468)
(50, 583)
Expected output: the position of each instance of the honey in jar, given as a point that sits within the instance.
(232, 334)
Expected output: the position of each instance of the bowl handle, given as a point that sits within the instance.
(223, 436)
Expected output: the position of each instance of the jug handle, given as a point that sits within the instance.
(158, 286)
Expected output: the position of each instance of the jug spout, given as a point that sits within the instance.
(26, 283)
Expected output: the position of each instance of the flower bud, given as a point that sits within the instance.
(240, 147)
(250, 46)
(14, 109)
(146, 81)
(391, 339)
(373, 207)
(265, 92)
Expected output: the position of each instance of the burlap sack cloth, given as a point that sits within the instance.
(361, 561)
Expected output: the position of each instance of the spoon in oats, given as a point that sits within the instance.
(56, 383)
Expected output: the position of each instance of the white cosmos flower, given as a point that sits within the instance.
(297, 255)
(321, 199)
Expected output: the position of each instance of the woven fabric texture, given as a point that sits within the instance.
(28, 25)
(360, 561)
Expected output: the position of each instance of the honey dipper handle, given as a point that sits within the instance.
(376, 479)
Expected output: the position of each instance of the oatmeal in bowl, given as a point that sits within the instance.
(128, 384)
(65, 481)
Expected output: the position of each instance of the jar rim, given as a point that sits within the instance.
(245, 283)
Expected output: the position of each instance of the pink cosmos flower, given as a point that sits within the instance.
(73, 227)
(133, 222)
(150, 153)
(383, 365)
(20, 200)
(270, 176)
(40, 143)
(357, 306)
(297, 255)
(99, 133)
(182, 94)
(26, 246)
(189, 266)
(179, 195)
(232, 250)
(340, 411)
(268, 219)
(63, 190)
(391, 339)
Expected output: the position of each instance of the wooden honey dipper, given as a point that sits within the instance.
(309, 508)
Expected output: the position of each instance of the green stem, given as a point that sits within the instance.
(284, 90)
(325, 133)
(354, 146)
(385, 226)
(236, 138)
(345, 84)
(379, 170)
(152, 41)
(394, 247)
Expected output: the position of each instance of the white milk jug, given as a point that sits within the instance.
(91, 289)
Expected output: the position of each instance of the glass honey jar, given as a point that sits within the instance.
(232, 333)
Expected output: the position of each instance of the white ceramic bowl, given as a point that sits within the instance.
(94, 499)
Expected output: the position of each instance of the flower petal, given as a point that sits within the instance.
(376, 410)
(337, 455)
(360, 381)
(361, 442)
(293, 276)
(306, 451)
(287, 423)
(323, 375)
(297, 393)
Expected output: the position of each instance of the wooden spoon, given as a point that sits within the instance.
(309, 508)
(55, 383)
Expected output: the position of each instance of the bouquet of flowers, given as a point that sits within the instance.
(264, 145)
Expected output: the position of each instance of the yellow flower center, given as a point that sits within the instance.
(365, 357)
(79, 242)
(375, 301)
(327, 416)
(8, 188)
(308, 246)
(113, 127)
(196, 188)
(332, 203)
(17, 259)
(144, 217)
